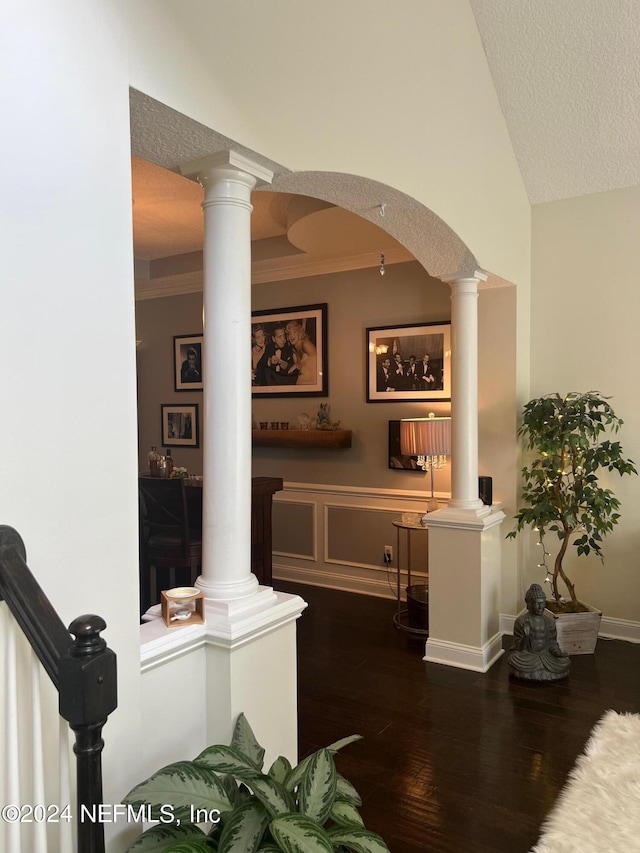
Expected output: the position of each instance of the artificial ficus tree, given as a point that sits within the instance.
(561, 485)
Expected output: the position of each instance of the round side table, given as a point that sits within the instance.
(410, 522)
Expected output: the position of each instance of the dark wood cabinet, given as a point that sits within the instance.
(262, 492)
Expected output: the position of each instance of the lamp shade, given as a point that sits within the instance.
(425, 437)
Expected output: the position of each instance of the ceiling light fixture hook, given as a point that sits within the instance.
(383, 209)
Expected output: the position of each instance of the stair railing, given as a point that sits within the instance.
(82, 669)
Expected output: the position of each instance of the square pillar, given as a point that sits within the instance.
(464, 588)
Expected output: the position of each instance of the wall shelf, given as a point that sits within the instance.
(302, 439)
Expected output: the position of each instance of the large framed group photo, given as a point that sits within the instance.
(289, 352)
(409, 363)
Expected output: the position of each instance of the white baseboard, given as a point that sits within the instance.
(344, 581)
(506, 623)
(478, 659)
(619, 629)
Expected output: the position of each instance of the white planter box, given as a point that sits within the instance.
(578, 632)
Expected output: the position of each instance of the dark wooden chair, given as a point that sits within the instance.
(168, 540)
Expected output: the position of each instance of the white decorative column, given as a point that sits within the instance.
(464, 537)
(227, 179)
(464, 395)
(243, 659)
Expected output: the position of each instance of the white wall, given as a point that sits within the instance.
(67, 347)
(584, 321)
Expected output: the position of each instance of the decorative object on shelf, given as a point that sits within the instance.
(397, 461)
(535, 654)
(561, 488)
(310, 807)
(188, 362)
(153, 458)
(382, 269)
(323, 421)
(409, 363)
(303, 420)
(429, 439)
(169, 459)
(179, 425)
(284, 424)
(182, 605)
(179, 474)
(289, 352)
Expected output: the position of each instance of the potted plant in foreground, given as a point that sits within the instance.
(309, 808)
(562, 490)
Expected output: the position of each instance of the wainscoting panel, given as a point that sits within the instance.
(334, 536)
(294, 529)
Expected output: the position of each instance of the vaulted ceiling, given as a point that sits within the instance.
(567, 76)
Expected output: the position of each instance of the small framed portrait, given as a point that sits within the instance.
(187, 362)
(289, 352)
(397, 461)
(409, 363)
(179, 425)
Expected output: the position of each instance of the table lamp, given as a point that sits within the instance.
(430, 440)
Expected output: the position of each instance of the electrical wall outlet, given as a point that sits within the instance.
(388, 554)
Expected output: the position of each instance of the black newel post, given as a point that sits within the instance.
(88, 694)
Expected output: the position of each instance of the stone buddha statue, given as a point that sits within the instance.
(535, 654)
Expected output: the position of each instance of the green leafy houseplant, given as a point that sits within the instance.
(561, 486)
(309, 808)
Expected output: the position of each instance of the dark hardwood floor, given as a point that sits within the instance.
(451, 761)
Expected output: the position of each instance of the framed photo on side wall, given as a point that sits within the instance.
(179, 425)
(409, 363)
(289, 352)
(187, 362)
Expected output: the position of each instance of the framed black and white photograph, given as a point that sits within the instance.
(397, 460)
(409, 363)
(187, 362)
(179, 425)
(289, 352)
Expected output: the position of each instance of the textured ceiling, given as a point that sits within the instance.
(567, 75)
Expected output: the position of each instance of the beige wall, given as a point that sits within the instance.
(584, 321)
(157, 321)
(356, 300)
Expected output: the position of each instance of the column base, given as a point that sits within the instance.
(236, 591)
(238, 661)
(232, 623)
(251, 669)
(464, 587)
(466, 518)
(476, 658)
